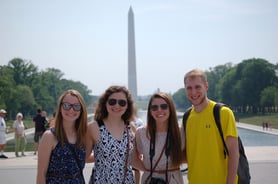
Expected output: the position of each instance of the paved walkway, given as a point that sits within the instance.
(263, 164)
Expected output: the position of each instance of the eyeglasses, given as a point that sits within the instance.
(162, 107)
(67, 106)
(113, 101)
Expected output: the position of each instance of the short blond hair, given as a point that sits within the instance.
(194, 74)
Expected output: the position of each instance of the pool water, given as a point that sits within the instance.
(255, 138)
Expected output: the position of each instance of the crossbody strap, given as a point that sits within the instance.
(151, 158)
(127, 153)
(76, 160)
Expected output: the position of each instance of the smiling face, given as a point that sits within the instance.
(69, 112)
(116, 104)
(196, 90)
(160, 110)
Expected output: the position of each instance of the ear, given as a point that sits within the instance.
(206, 85)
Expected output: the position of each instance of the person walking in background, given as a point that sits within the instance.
(19, 135)
(51, 122)
(160, 143)
(111, 137)
(3, 130)
(204, 148)
(61, 153)
(39, 122)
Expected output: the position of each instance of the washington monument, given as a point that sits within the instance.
(132, 78)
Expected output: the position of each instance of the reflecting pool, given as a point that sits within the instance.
(255, 138)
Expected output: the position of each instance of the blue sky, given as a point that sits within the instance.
(87, 40)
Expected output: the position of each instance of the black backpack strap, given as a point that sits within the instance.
(184, 119)
(216, 114)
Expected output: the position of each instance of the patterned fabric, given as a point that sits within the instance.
(110, 158)
(63, 168)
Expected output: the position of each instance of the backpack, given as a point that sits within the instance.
(243, 171)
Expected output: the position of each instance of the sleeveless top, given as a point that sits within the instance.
(110, 158)
(63, 167)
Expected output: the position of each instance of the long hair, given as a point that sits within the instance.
(101, 111)
(173, 127)
(80, 124)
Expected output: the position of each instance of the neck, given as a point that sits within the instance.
(200, 107)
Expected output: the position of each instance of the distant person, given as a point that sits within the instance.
(19, 135)
(207, 163)
(3, 130)
(270, 125)
(61, 154)
(160, 142)
(39, 122)
(51, 121)
(46, 121)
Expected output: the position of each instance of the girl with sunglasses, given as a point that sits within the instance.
(111, 138)
(61, 154)
(160, 143)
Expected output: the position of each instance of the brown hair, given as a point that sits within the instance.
(101, 111)
(80, 124)
(173, 127)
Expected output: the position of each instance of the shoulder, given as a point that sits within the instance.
(49, 138)
(141, 130)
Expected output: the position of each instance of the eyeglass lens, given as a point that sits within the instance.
(67, 106)
(162, 107)
(113, 102)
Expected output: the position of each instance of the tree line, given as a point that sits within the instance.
(248, 87)
(24, 88)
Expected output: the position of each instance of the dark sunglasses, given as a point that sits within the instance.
(113, 101)
(162, 107)
(67, 106)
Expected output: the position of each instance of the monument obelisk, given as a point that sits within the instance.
(132, 76)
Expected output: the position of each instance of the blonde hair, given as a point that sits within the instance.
(194, 74)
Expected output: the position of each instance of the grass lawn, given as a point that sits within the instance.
(259, 119)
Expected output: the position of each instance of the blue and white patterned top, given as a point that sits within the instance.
(110, 158)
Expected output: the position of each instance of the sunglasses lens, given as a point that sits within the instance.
(164, 106)
(122, 103)
(112, 101)
(76, 107)
(66, 106)
(154, 107)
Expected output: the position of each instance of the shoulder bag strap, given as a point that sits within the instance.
(127, 153)
(76, 160)
(156, 162)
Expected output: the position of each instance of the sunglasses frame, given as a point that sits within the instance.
(113, 101)
(67, 106)
(163, 106)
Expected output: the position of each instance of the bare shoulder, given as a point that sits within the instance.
(132, 126)
(93, 130)
(48, 139)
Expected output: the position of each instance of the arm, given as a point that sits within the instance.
(137, 156)
(46, 145)
(92, 136)
(232, 145)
